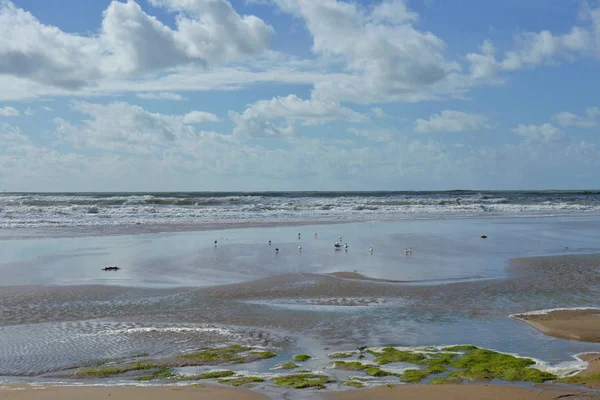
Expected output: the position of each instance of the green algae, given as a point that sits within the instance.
(228, 354)
(96, 363)
(391, 354)
(106, 371)
(303, 381)
(351, 365)
(288, 365)
(340, 355)
(162, 373)
(377, 372)
(355, 384)
(480, 364)
(581, 379)
(461, 348)
(216, 374)
(263, 355)
(445, 380)
(243, 380)
(443, 359)
(417, 375)
(301, 357)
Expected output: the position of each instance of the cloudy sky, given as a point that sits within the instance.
(299, 94)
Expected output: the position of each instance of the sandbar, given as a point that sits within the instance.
(125, 393)
(579, 325)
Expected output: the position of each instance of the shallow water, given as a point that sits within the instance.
(177, 291)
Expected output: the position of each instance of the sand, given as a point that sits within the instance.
(452, 392)
(360, 277)
(580, 325)
(126, 393)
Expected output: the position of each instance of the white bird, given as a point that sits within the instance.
(276, 250)
(299, 235)
(299, 248)
(215, 242)
(269, 242)
(408, 251)
(337, 245)
(346, 246)
(370, 249)
(340, 238)
(316, 234)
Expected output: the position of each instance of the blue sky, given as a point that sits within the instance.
(299, 95)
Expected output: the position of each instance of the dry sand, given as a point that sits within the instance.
(580, 325)
(453, 392)
(126, 393)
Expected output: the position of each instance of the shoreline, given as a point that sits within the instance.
(52, 232)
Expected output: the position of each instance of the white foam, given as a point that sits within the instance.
(550, 310)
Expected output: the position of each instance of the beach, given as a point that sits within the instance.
(183, 308)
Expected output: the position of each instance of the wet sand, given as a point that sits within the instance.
(580, 325)
(126, 393)
(454, 392)
(360, 277)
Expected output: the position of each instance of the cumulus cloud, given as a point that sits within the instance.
(9, 112)
(125, 127)
(130, 42)
(451, 121)
(256, 120)
(545, 133)
(533, 49)
(196, 117)
(389, 59)
(569, 119)
(161, 96)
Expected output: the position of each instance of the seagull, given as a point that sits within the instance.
(337, 245)
(276, 251)
(299, 235)
(346, 247)
(299, 248)
(269, 242)
(362, 348)
(408, 251)
(215, 242)
(340, 238)
(370, 249)
(316, 234)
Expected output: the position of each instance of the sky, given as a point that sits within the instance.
(234, 95)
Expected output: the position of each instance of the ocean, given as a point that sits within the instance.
(19, 210)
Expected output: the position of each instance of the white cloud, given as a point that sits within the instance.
(593, 112)
(569, 119)
(161, 96)
(196, 117)
(539, 133)
(388, 58)
(533, 49)
(29, 111)
(130, 42)
(121, 126)
(451, 121)
(9, 112)
(46, 108)
(256, 119)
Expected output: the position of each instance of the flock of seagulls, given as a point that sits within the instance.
(337, 245)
